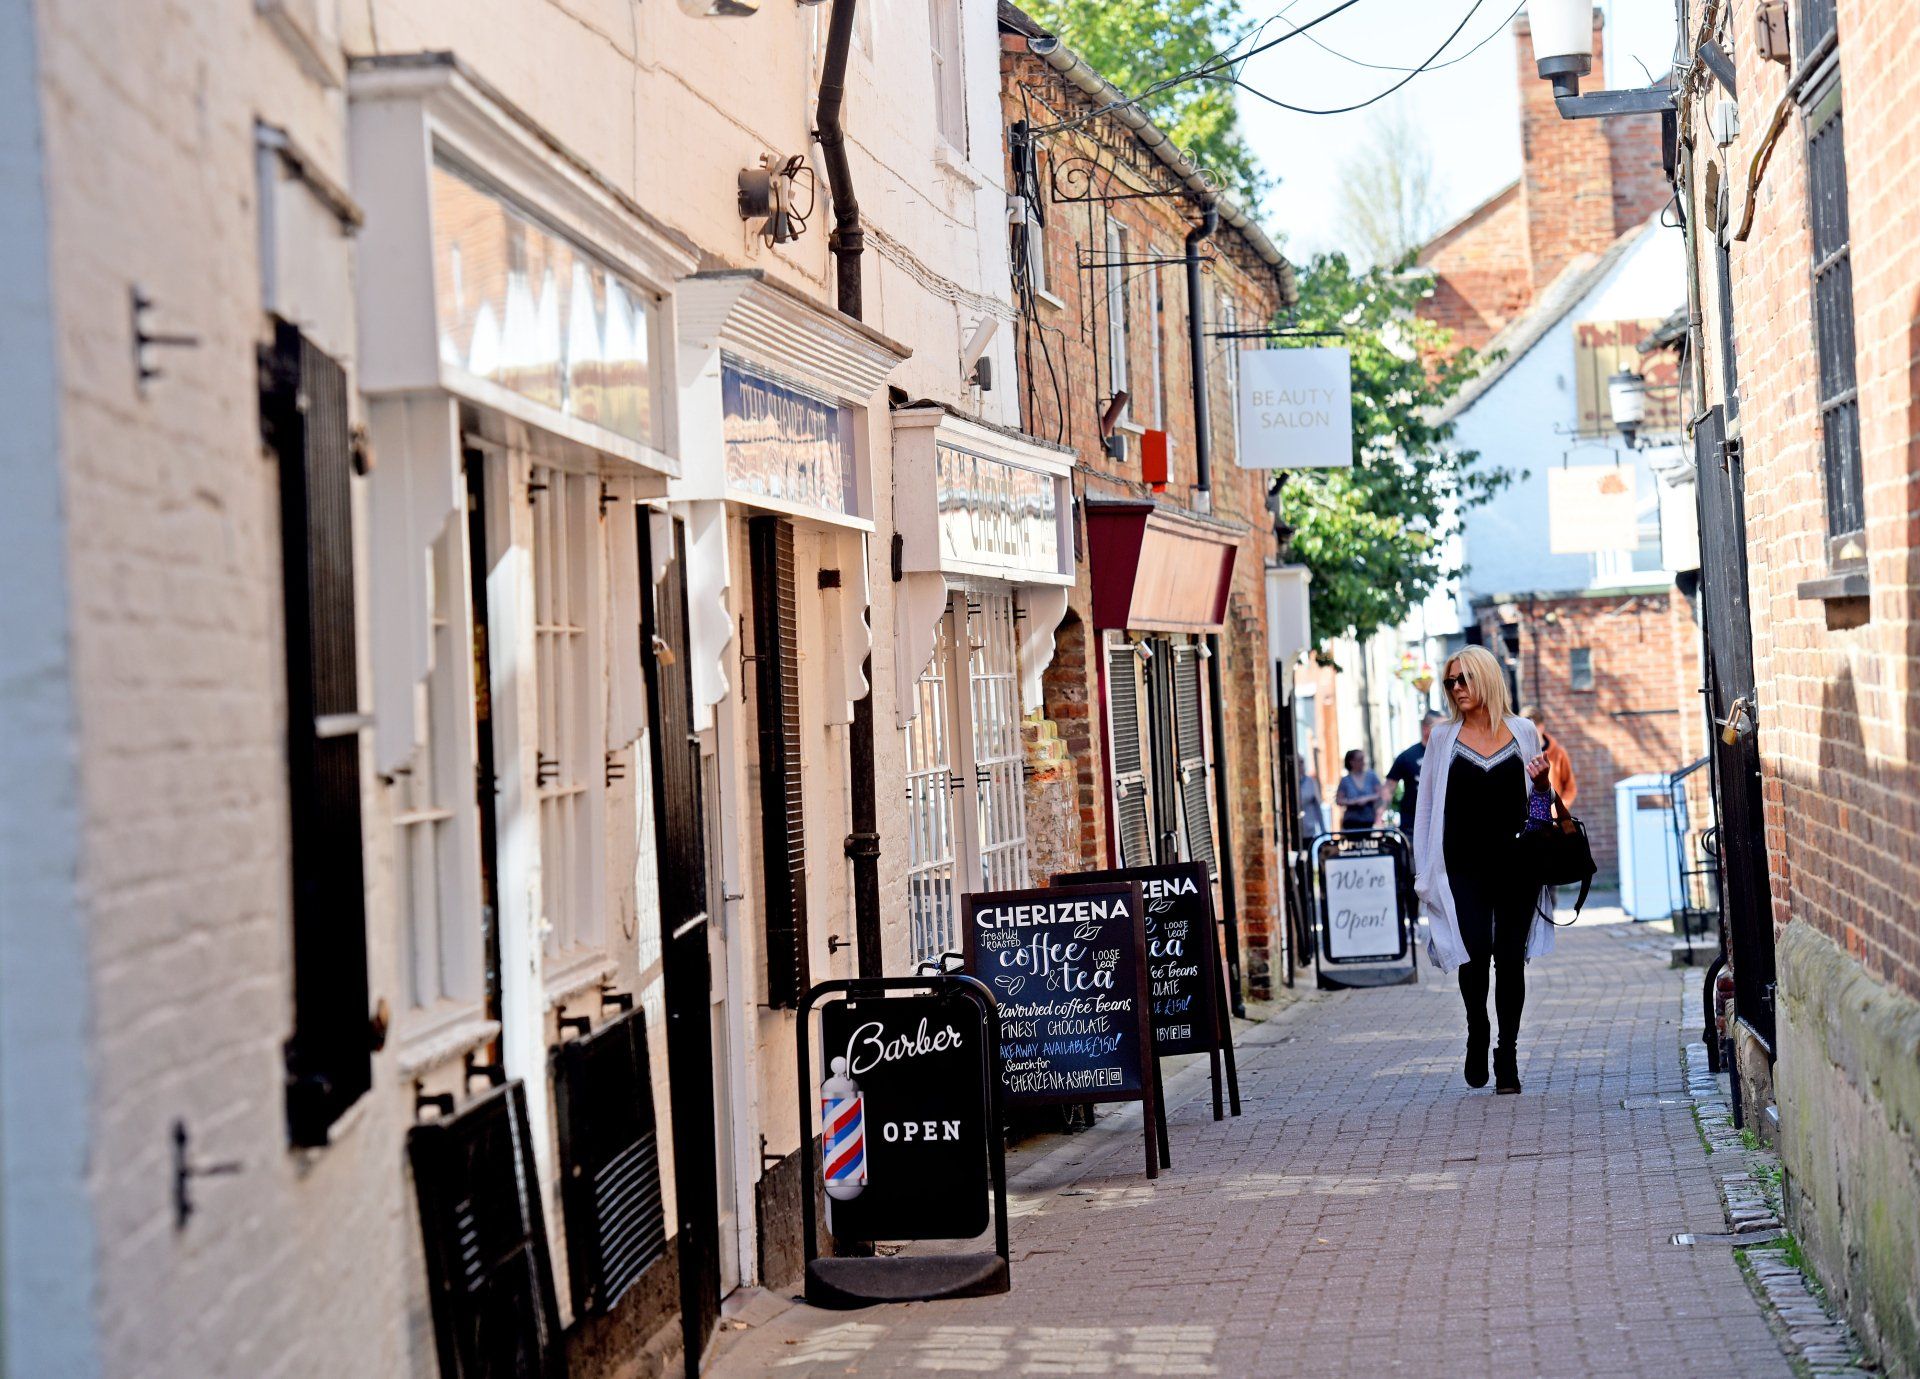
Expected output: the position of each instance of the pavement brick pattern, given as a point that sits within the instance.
(1368, 1214)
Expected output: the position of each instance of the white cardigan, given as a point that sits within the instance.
(1445, 948)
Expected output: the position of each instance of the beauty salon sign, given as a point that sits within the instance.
(1296, 408)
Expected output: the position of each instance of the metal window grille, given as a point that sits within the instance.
(1833, 313)
(569, 766)
(1190, 752)
(783, 846)
(999, 754)
(931, 820)
(303, 417)
(1817, 20)
(1132, 821)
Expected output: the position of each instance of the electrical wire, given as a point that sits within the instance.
(1328, 48)
(1371, 100)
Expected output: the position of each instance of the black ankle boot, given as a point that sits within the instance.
(1506, 1071)
(1476, 1069)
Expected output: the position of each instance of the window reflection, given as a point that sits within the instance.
(523, 308)
(992, 512)
(784, 442)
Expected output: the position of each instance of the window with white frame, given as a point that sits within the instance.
(436, 852)
(999, 754)
(1119, 327)
(569, 766)
(930, 812)
(949, 78)
(1229, 323)
(1156, 381)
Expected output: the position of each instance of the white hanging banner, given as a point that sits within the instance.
(1296, 409)
(1590, 509)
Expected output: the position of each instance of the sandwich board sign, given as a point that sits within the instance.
(1366, 908)
(1068, 969)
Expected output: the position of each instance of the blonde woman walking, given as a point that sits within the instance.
(1481, 767)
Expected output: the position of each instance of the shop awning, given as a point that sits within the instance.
(1158, 568)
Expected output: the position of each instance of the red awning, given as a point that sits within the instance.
(1157, 569)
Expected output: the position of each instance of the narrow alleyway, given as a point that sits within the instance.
(1368, 1214)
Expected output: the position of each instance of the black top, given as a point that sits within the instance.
(1406, 770)
(1486, 809)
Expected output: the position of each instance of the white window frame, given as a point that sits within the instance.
(1155, 365)
(933, 821)
(997, 851)
(1119, 328)
(1229, 323)
(569, 660)
(949, 73)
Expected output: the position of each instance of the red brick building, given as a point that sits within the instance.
(1805, 362)
(1159, 687)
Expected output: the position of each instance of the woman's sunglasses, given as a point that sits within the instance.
(1454, 682)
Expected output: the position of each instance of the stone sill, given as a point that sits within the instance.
(1840, 585)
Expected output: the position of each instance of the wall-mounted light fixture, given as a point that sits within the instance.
(1563, 53)
(1627, 402)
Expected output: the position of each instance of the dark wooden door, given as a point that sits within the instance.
(1747, 889)
(679, 824)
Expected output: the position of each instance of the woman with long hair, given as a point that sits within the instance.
(1481, 767)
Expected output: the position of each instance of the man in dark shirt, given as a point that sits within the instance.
(1406, 770)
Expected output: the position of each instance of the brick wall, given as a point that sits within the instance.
(1065, 378)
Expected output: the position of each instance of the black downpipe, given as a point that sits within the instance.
(1197, 353)
(1203, 500)
(847, 242)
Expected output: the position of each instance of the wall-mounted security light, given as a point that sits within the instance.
(1563, 53)
(767, 194)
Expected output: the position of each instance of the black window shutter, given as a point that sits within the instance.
(1190, 749)
(1132, 829)
(783, 845)
(495, 1315)
(303, 413)
(603, 1101)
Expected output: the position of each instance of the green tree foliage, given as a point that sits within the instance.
(1135, 45)
(1372, 534)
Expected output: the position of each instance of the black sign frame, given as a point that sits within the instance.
(1212, 994)
(1147, 1071)
(862, 1280)
(1365, 970)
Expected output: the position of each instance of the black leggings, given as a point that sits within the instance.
(1505, 950)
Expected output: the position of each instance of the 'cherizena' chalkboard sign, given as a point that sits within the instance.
(915, 1070)
(1068, 969)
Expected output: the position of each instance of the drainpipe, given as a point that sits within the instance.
(847, 241)
(1197, 353)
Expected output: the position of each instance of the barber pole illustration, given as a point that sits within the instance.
(843, 1129)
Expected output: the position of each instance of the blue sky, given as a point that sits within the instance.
(1468, 111)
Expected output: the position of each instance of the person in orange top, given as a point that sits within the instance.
(1560, 765)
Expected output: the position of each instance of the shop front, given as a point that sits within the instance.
(515, 354)
(984, 519)
(1161, 578)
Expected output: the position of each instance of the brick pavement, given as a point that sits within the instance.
(1369, 1214)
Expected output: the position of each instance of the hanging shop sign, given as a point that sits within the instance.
(910, 1143)
(1366, 907)
(1602, 349)
(785, 443)
(1296, 409)
(1188, 993)
(1592, 508)
(1069, 970)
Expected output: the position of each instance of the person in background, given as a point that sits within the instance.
(1560, 765)
(1360, 793)
(1313, 819)
(1406, 771)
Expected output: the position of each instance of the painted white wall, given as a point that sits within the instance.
(1524, 423)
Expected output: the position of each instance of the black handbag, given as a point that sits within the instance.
(1555, 852)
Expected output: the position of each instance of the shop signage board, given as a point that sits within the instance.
(1188, 992)
(997, 514)
(910, 1146)
(1592, 508)
(1068, 968)
(1366, 905)
(915, 1067)
(1296, 408)
(784, 442)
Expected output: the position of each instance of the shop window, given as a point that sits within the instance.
(1832, 269)
(949, 76)
(434, 805)
(570, 693)
(999, 754)
(303, 415)
(931, 822)
(1580, 668)
(783, 847)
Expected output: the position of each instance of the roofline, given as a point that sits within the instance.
(1077, 70)
(1446, 233)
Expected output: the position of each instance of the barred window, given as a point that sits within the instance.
(1833, 311)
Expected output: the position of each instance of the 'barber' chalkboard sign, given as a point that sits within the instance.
(1068, 969)
(904, 1121)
